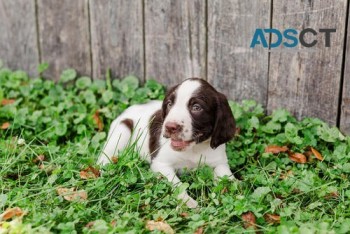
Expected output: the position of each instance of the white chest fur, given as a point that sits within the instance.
(200, 154)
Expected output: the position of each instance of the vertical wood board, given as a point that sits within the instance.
(237, 70)
(345, 102)
(117, 38)
(306, 80)
(64, 36)
(18, 35)
(175, 40)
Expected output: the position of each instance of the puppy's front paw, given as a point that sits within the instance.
(190, 202)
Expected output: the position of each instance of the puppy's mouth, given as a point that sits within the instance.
(180, 145)
(176, 143)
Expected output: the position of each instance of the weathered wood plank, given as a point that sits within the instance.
(64, 36)
(175, 40)
(117, 37)
(307, 82)
(233, 67)
(345, 102)
(18, 37)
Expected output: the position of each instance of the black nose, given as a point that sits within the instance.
(172, 127)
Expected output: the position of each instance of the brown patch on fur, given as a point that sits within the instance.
(216, 119)
(129, 123)
(225, 125)
(155, 129)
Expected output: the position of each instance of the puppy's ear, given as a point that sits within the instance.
(168, 96)
(225, 126)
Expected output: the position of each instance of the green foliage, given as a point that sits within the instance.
(57, 121)
(68, 75)
(51, 109)
(43, 67)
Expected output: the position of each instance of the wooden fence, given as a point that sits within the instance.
(171, 40)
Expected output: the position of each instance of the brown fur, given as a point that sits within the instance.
(129, 123)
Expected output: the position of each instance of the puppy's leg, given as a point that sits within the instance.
(222, 170)
(170, 174)
(118, 138)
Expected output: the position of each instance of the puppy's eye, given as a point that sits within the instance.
(196, 107)
(169, 104)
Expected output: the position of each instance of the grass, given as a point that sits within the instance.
(51, 133)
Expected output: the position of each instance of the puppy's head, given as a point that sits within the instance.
(193, 112)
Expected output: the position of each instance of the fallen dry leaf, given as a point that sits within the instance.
(98, 121)
(160, 226)
(332, 195)
(272, 218)
(184, 214)
(249, 220)
(71, 195)
(11, 212)
(114, 159)
(5, 102)
(40, 158)
(317, 154)
(89, 173)
(90, 224)
(224, 190)
(199, 230)
(275, 149)
(113, 223)
(297, 157)
(5, 125)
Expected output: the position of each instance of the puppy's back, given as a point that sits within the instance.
(131, 126)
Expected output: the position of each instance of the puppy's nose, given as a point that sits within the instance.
(172, 127)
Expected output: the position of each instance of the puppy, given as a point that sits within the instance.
(190, 127)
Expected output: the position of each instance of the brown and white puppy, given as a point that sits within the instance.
(190, 127)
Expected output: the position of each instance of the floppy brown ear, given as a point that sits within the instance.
(225, 126)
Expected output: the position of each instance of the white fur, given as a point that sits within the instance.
(167, 161)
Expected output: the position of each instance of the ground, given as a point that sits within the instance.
(293, 176)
